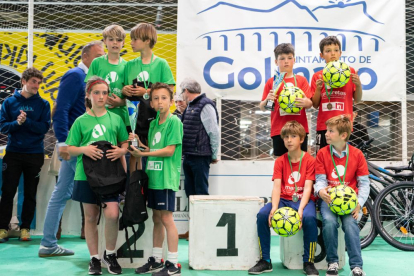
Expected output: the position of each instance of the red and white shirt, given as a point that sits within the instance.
(341, 100)
(278, 117)
(357, 166)
(282, 171)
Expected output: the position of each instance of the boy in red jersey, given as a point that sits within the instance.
(341, 164)
(285, 59)
(293, 178)
(332, 101)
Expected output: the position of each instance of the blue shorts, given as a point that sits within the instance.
(161, 199)
(82, 192)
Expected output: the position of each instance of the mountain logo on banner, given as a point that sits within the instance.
(340, 4)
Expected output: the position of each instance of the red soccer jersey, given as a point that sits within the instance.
(341, 100)
(278, 118)
(282, 171)
(357, 166)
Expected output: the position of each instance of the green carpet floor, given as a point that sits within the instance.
(20, 258)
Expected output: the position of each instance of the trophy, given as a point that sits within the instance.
(277, 81)
(133, 116)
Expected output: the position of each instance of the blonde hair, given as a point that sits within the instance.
(114, 31)
(145, 31)
(293, 127)
(342, 123)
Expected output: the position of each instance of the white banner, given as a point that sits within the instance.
(228, 46)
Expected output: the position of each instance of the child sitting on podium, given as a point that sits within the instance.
(293, 177)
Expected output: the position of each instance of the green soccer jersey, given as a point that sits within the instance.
(88, 129)
(157, 71)
(113, 74)
(164, 172)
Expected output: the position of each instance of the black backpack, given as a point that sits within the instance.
(106, 178)
(135, 209)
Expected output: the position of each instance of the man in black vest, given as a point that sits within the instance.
(201, 138)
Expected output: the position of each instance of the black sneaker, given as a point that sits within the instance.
(357, 271)
(169, 269)
(332, 269)
(309, 269)
(111, 263)
(151, 266)
(95, 267)
(262, 266)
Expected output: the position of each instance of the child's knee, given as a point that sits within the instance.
(330, 221)
(156, 216)
(167, 218)
(262, 217)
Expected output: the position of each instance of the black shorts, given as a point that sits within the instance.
(320, 140)
(279, 146)
(82, 192)
(161, 199)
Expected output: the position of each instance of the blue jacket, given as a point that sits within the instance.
(28, 137)
(70, 102)
(196, 140)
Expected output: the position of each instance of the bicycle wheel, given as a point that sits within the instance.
(366, 225)
(394, 215)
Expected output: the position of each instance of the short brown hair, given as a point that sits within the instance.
(293, 127)
(284, 48)
(160, 85)
(329, 40)
(342, 123)
(145, 31)
(31, 72)
(114, 31)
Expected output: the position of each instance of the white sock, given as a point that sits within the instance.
(173, 257)
(109, 252)
(157, 254)
(96, 256)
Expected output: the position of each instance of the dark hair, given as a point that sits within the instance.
(145, 31)
(31, 72)
(284, 48)
(160, 85)
(329, 40)
(94, 80)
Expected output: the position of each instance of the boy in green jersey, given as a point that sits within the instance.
(163, 169)
(110, 67)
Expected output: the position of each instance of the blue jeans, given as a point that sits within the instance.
(196, 171)
(330, 236)
(310, 228)
(62, 192)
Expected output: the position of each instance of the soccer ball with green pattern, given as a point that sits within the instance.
(343, 200)
(286, 222)
(336, 74)
(287, 98)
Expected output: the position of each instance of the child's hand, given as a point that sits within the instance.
(130, 90)
(303, 102)
(355, 79)
(355, 212)
(93, 152)
(114, 101)
(135, 152)
(115, 153)
(319, 83)
(323, 193)
(270, 96)
(300, 213)
(271, 215)
(132, 136)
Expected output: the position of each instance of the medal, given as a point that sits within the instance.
(295, 196)
(342, 181)
(146, 96)
(329, 106)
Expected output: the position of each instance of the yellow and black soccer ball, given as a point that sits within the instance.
(343, 200)
(286, 222)
(287, 98)
(336, 74)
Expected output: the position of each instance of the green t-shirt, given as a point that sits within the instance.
(164, 172)
(88, 129)
(113, 74)
(158, 71)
